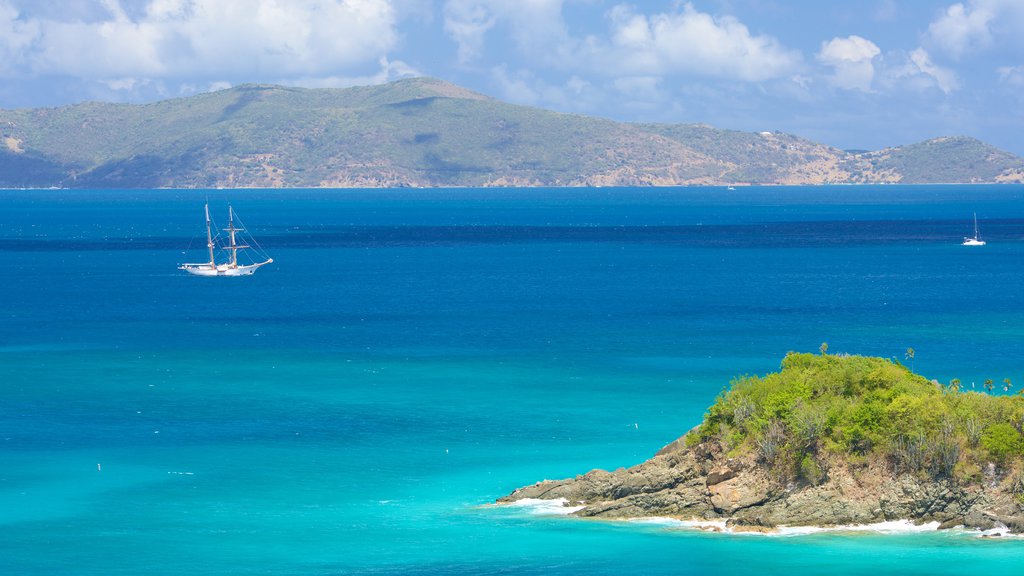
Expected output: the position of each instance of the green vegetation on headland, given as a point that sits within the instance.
(425, 132)
(828, 440)
(820, 407)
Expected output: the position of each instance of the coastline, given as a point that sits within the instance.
(794, 448)
(744, 185)
(560, 507)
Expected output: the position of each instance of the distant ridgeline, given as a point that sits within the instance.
(829, 440)
(425, 132)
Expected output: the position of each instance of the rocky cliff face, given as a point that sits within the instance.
(702, 483)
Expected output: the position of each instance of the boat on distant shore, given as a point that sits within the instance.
(231, 267)
(975, 240)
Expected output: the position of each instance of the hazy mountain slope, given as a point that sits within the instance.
(761, 157)
(949, 159)
(425, 132)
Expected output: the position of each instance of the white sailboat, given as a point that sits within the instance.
(231, 267)
(975, 240)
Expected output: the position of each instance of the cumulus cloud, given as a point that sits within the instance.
(921, 64)
(637, 44)
(688, 41)
(16, 37)
(123, 45)
(852, 60)
(962, 28)
(524, 87)
(974, 26)
(467, 23)
(536, 27)
(638, 65)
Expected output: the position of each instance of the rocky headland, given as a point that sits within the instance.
(827, 441)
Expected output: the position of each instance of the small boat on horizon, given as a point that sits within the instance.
(975, 240)
(231, 267)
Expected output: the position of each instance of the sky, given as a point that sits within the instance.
(856, 74)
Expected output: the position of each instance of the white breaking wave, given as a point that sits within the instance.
(556, 507)
(706, 525)
(720, 525)
(887, 527)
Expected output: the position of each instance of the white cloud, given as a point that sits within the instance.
(989, 29)
(647, 88)
(536, 27)
(922, 64)
(16, 37)
(963, 28)
(1012, 75)
(901, 72)
(804, 82)
(516, 87)
(680, 41)
(467, 23)
(197, 39)
(188, 89)
(129, 84)
(690, 42)
(388, 70)
(974, 26)
(852, 60)
(525, 87)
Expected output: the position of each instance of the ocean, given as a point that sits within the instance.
(412, 355)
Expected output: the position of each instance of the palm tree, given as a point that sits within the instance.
(910, 356)
(989, 385)
(1007, 385)
(824, 348)
(954, 384)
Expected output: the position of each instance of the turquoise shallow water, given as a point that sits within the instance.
(413, 355)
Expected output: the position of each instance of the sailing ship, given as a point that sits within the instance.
(231, 267)
(974, 241)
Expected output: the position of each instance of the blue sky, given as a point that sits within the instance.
(855, 74)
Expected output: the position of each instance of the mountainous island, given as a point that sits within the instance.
(830, 440)
(424, 132)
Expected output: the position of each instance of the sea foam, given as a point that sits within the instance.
(556, 507)
(887, 527)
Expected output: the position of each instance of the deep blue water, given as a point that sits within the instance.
(412, 355)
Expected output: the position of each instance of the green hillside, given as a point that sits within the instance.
(819, 407)
(829, 440)
(425, 132)
(956, 159)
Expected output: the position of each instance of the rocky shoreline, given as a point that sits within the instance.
(701, 483)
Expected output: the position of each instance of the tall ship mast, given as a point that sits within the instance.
(976, 240)
(231, 267)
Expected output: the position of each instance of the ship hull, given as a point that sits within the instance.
(221, 270)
